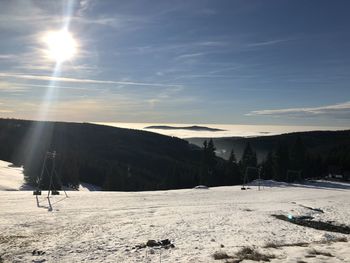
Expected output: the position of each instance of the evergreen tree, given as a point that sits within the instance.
(267, 167)
(69, 170)
(232, 171)
(203, 174)
(232, 158)
(298, 155)
(281, 162)
(248, 159)
(211, 155)
(172, 178)
(208, 163)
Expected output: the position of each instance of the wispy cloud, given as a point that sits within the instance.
(189, 56)
(341, 109)
(10, 86)
(77, 80)
(7, 56)
(212, 43)
(269, 42)
(84, 6)
(196, 47)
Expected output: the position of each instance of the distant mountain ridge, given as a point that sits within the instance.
(317, 142)
(109, 157)
(189, 128)
(135, 160)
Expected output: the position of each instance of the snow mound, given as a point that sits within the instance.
(201, 187)
(85, 187)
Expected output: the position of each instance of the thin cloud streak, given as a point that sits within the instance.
(193, 55)
(339, 108)
(26, 85)
(7, 56)
(269, 43)
(77, 80)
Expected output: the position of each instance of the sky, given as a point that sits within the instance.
(277, 62)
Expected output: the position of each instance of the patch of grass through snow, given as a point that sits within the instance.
(279, 245)
(251, 254)
(315, 224)
(220, 255)
(340, 239)
(246, 253)
(321, 253)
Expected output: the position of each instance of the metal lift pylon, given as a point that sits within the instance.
(52, 174)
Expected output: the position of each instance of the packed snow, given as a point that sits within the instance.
(110, 226)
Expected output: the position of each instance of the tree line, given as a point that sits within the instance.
(288, 162)
(130, 160)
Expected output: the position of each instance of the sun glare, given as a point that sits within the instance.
(61, 45)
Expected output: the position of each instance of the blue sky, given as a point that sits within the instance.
(235, 62)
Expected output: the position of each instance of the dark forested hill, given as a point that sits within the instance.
(289, 157)
(316, 142)
(115, 158)
(133, 160)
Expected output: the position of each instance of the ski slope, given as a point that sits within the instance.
(11, 178)
(106, 226)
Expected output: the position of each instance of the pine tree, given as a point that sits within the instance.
(281, 162)
(232, 158)
(211, 155)
(267, 167)
(232, 172)
(208, 164)
(248, 159)
(298, 155)
(203, 174)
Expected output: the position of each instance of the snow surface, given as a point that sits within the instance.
(11, 177)
(105, 226)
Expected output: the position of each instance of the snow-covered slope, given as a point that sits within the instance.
(11, 177)
(105, 226)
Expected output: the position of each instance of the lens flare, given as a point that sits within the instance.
(61, 45)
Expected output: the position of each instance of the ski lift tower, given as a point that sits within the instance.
(51, 174)
(249, 170)
(259, 177)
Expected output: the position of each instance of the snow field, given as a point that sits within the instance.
(105, 226)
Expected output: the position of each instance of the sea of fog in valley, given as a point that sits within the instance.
(228, 130)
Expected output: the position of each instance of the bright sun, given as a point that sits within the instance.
(61, 45)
